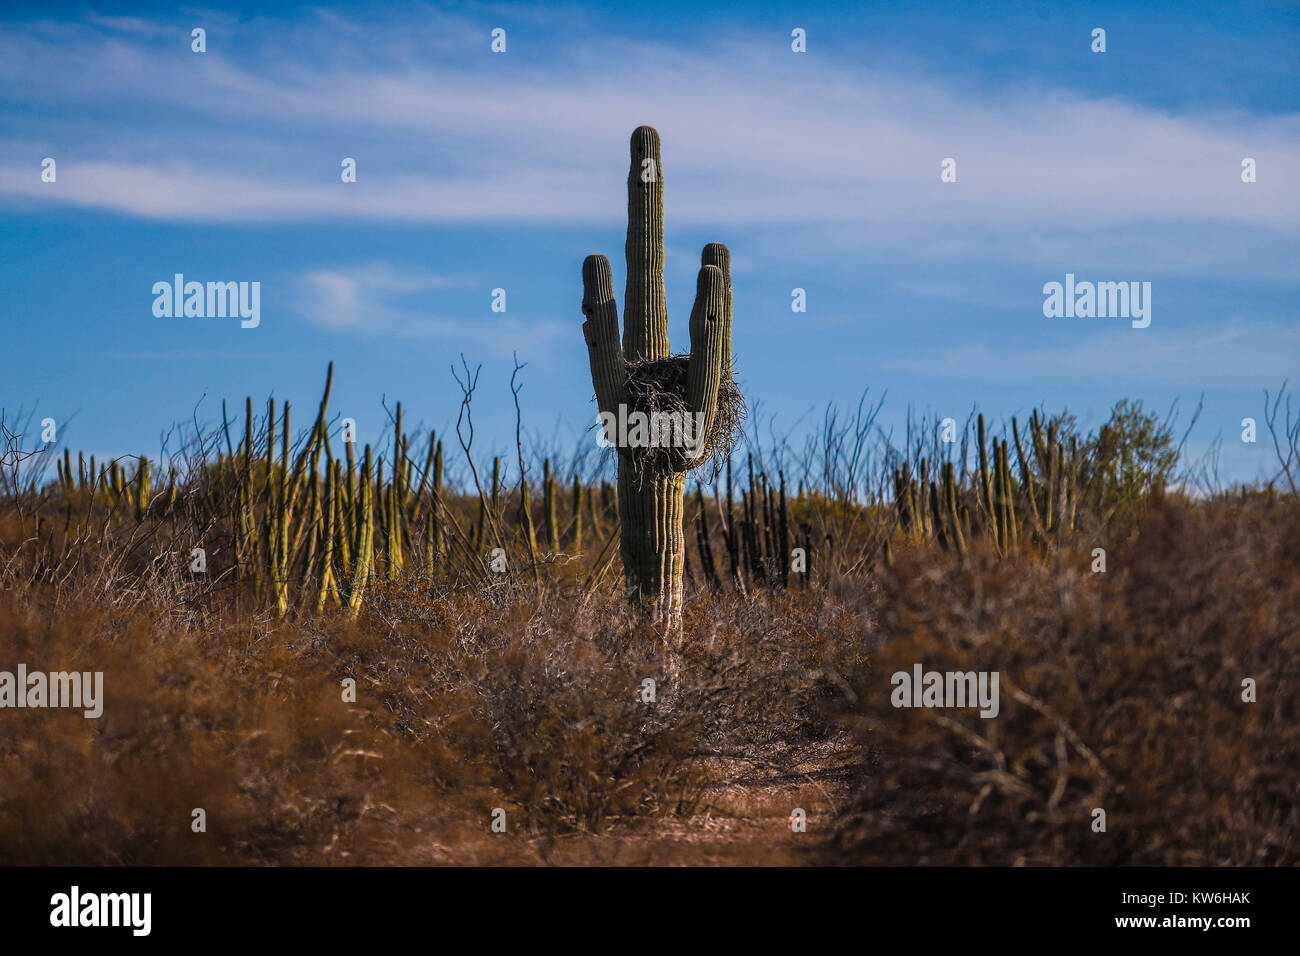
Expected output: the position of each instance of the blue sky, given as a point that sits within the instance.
(478, 170)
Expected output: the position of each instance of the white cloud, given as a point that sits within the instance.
(379, 300)
(361, 298)
(135, 25)
(772, 141)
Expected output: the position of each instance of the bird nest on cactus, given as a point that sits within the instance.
(657, 389)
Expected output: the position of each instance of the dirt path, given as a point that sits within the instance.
(743, 819)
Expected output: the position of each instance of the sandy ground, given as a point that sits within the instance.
(744, 819)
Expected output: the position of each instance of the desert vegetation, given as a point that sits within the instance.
(501, 674)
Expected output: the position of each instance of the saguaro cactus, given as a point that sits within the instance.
(650, 490)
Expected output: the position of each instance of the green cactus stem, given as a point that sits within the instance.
(343, 530)
(363, 545)
(327, 589)
(1027, 483)
(951, 505)
(526, 516)
(142, 489)
(548, 507)
(577, 515)
(650, 501)
(985, 485)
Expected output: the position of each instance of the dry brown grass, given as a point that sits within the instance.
(1120, 691)
(464, 704)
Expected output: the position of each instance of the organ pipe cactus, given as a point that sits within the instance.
(1026, 475)
(65, 473)
(342, 523)
(952, 508)
(577, 514)
(142, 489)
(324, 515)
(1009, 501)
(363, 545)
(438, 534)
(548, 507)
(650, 501)
(985, 484)
(281, 523)
(526, 518)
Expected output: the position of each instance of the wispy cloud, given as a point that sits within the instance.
(361, 298)
(380, 300)
(778, 139)
(131, 25)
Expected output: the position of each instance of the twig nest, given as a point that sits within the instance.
(657, 389)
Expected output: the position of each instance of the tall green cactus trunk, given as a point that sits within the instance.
(577, 514)
(324, 516)
(437, 533)
(548, 507)
(141, 488)
(363, 545)
(652, 544)
(650, 502)
(280, 578)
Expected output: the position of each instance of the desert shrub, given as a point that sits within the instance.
(191, 720)
(523, 690)
(1120, 691)
(465, 702)
(1130, 457)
